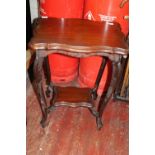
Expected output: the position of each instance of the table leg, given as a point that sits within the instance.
(49, 90)
(116, 68)
(99, 76)
(38, 70)
(97, 82)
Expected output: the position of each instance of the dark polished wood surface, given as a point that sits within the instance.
(73, 94)
(78, 35)
(72, 97)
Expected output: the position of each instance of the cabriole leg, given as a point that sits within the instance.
(116, 68)
(38, 84)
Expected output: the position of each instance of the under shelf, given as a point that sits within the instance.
(72, 96)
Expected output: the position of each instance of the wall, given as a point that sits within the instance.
(33, 9)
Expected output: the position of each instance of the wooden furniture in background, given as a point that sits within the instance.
(28, 23)
(125, 85)
(122, 89)
(28, 58)
(77, 38)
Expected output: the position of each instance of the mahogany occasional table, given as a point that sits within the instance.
(77, 38)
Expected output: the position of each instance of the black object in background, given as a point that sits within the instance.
(28, 23)
(28, 37)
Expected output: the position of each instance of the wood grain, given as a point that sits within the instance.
(71, 97)
(78, 35)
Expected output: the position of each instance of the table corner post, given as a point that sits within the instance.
(38, 86)
(116, 68)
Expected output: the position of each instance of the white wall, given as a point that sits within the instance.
(33, 9)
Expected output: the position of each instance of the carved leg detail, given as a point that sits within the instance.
(116, 67)
(94, 111)
(38, 64)
(51, 108)
(49, 91)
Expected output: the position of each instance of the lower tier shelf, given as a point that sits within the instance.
(72, 97)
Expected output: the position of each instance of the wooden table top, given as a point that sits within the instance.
(78, 35)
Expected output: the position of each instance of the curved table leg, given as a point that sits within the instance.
(38, 69)
(49, 90)
(116, 68)
(99, 76)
